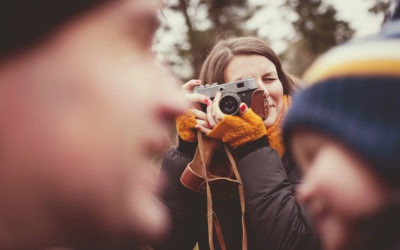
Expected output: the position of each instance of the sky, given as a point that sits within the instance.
(354, 11)
(273, 23)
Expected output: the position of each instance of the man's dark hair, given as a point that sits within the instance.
(24, 22)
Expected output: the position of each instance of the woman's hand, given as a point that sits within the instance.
(195, 99)
(186, 123)
(214, 115)
(235, 130)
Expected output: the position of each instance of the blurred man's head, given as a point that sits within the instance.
(82, 109)
(344, 133)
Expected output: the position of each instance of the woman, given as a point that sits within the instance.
(274, 219)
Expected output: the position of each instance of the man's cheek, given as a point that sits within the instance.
(152, 216)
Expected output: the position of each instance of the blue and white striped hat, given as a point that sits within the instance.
(353, 95)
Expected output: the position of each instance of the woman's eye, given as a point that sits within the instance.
(269, 79)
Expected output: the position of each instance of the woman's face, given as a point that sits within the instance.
(264, 71)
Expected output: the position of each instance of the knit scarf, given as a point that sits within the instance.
(274, 132)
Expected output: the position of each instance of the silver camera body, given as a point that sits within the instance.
(233, 93)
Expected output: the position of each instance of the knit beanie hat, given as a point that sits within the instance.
(23, 22)
(353, 95)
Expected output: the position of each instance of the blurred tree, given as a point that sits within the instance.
(206, 22)
(383, 7)
(318, 29)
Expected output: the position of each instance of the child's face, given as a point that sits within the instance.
(338, 187)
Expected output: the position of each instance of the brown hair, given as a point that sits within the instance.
(222, 53)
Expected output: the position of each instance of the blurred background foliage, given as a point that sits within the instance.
(185, 40)
(316, 26)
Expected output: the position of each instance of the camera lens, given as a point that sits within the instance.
(229, 104)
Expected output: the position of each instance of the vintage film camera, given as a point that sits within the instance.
(233, 93)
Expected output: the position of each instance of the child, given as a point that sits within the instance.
(344, 133)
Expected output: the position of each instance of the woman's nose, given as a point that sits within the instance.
(260, 85)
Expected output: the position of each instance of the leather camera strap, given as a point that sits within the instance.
(211, 217)
(208, 192)
(218, 232)
(241, 196)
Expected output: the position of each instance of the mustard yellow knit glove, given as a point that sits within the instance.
(238, 130)
(185, 124)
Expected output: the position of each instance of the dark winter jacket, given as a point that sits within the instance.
(274, 218)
